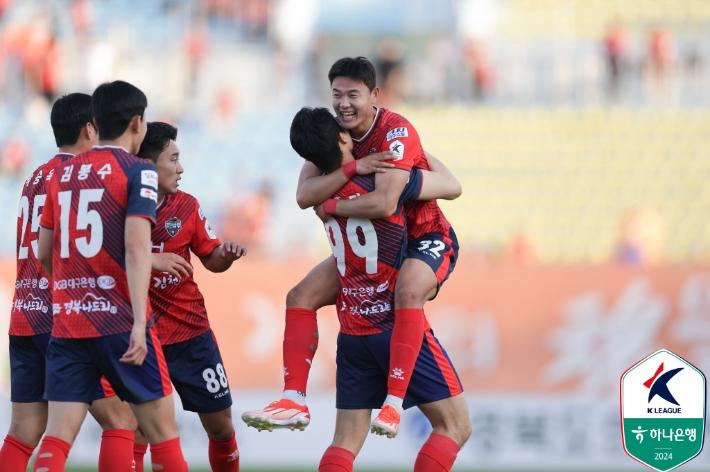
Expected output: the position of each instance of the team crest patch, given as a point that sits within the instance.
(173, 226)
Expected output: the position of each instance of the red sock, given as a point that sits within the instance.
(116, 453)
(300, 342)
(224, 455)
(15, 455)
(336, 459)
(437, 454)
(52, 454)
(404, 348)
(167, 456)
(139, 451)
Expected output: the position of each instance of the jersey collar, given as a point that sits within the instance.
(366, 136)
(108, 146)
(64, 154)
(162, 204)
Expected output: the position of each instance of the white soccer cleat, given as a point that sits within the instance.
(281, 414)
(386, 423)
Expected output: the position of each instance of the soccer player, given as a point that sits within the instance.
(31, 317)
(429, 260)
(193, 359)
(94, 244)
(368, 254)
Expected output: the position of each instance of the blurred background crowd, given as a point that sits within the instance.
(578, 129)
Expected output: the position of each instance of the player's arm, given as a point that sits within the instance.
(138, 265)
(439, 182)
(221, 257)
(380, 203)
(314, 188)
(44, 249)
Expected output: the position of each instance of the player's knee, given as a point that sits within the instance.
(407, 296)
(464, 432)
(29, 432)
(298, 297)
(220, 430)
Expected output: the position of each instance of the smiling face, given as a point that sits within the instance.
(169, 170)
(353, 103)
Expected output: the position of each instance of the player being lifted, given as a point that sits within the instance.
(96, 225)
(31, 318)
(193, 359)
(429, 259)
(369, 253)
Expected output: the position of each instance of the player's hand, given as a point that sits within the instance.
(172, 264)
(232, 251)
(375, 163)
(320, 213)
(137, 347)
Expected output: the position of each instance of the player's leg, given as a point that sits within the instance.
(318, 289)
(28, 419)
(351, 427)
(118, 425)
(223, 451)
(148, 391)
(449, 419)
(198, 374)
(428, 263)
(140, 447)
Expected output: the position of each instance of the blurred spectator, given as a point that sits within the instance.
(480, 67)
(661, 64)
(245, 221)
(616, 48)
(196, 41)
(390, 71)
(641, 238)
(82, 14)
(14, 156)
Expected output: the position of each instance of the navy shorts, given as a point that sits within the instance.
(363, 369)
(75, 368)
(438, 251)
(197, 372)
(27, 366)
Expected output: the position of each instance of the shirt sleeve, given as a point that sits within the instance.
(413, 187)
(204, 240)
(403, 141)
(47, 219)
(142, 191)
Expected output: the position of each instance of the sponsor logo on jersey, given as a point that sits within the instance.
(149, 178)
(397, 133)
(382, 287)
(89, 304)
(43, 283)
(148, 193)
(106, 282)
(397, 373)
(31, 303)
(398, 149)
(173, 226)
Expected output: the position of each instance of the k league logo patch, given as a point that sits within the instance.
(173, 226)
(398, 149)
(663, 411)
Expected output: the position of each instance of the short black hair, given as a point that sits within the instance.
(356, 68)
(69, 116)
(157, 138)
(314, 136)
(115, 104)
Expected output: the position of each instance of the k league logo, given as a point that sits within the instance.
(663, 411)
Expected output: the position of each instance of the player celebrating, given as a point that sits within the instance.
(95, 245)
(193, 359)
(430, 257)
(31, 319)
(368, 253)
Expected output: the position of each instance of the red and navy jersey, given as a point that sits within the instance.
(392, 132)
(88, 201)
(31, 306)
(178, 305)
(369, 254)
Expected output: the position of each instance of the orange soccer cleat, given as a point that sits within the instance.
(281, 414)
(387, 422)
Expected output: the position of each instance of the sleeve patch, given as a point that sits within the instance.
(201, 213)
(208, 228)
(397, 133)
(149, 178)
(398, 149)
(148, 193)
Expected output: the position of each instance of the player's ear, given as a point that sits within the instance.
(135, 124)
(375, 94)
(343, 137)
